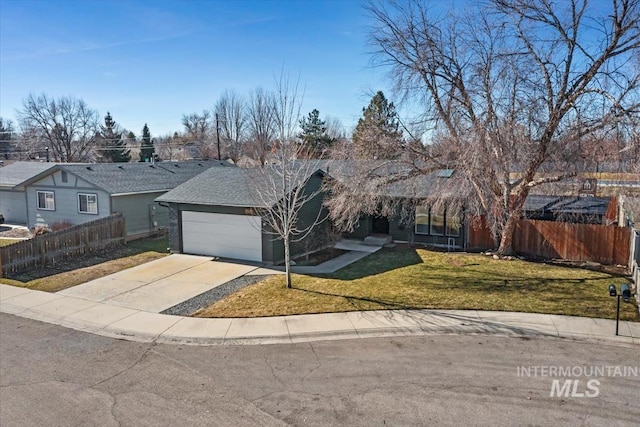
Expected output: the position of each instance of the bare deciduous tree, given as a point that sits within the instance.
(198, 131)
(66, 125)
(280, 185)
(335, 129)
(6, 138)
(232, 116)
(261, 122)
(509, 90)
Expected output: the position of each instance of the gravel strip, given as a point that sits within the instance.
(189, 306)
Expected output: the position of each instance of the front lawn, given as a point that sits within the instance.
(406, 278)
(7, 242)
(71, 273)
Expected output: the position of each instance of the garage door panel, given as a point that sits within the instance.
(221, 240)
(222, 229)
(223, 235)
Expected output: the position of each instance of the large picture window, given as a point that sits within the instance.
(453, 225)
(46, 201)
(422, 220)
(88, 203)
(436, 222)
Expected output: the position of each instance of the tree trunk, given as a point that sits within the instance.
(506, 240)
(287, 262)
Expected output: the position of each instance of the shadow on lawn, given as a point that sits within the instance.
(354, 300)
(386, 259)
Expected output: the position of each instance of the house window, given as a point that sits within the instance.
(437, 222)
(65, 178)
(46, 201)
(88, 203)
(453, 225)
(422, 220)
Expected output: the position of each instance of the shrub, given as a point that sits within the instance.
(61, 225)
(39, 230)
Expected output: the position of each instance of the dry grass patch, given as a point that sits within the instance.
(57, 278)
(7, 242)
(406, 278)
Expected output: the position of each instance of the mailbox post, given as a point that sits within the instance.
(625, 294)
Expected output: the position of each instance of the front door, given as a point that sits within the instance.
(379, 225)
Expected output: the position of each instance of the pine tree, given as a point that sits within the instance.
(111, 147)
(147, 150)
(377, 135)
(314, 134)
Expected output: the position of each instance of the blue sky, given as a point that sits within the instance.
(151, 62)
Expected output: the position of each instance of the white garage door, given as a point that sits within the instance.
(228, 236)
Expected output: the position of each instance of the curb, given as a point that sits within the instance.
(141, 326)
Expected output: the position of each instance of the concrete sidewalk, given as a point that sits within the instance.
(137, 325)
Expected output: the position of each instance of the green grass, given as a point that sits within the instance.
(57, 278)
(406, 278)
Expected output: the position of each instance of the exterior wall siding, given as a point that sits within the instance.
(137, 211)
(307, 215)
(66, 201)
(362, 230)
(175, 228)
(13, 205)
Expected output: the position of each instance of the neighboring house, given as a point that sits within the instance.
(583, 210)
(77, 193)
(13, 196)
(216, 214)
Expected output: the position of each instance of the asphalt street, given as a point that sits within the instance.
(53, 376)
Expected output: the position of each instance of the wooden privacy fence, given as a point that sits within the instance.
(577, 242)
(553, 239)
(59, 246)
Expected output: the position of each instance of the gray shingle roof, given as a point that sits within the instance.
(123, 178)
(16, 173)
(230, 187)
(395, 178)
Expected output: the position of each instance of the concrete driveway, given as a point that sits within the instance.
(160, 284)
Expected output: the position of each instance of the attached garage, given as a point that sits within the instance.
(222, 235)
(216, 214)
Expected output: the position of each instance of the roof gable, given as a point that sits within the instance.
(18, 173)
(130, 178)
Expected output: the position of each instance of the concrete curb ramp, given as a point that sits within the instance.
(137, 325)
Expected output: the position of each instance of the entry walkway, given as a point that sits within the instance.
(357, 251)
(108, 319)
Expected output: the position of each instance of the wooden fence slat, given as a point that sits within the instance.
(606, 244)
(62, 245)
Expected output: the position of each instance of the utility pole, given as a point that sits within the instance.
(218, 134)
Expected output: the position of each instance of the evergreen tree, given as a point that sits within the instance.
(377, 135)
(111, 147)
(314, 134)
(131, 137)
(147, 150)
